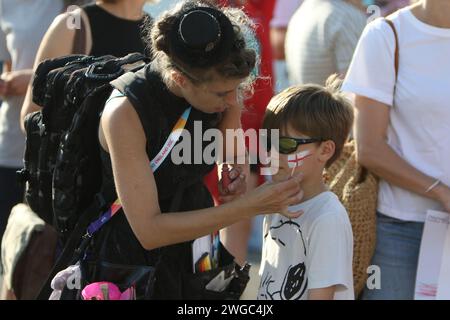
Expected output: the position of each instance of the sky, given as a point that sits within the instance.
(157, 8)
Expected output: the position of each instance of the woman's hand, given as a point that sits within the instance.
(238, 186)
(276, 197)
(442, 194)
(15, 83)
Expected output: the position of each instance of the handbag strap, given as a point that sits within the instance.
(397, 53)
(364, 171)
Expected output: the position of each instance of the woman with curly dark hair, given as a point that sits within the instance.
(201, 61)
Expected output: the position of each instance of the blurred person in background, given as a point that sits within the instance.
(321, 39)
(111, 27)
(22, 26)
(390, 6)
(282, 14)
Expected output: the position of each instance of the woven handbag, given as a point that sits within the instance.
(357, 189)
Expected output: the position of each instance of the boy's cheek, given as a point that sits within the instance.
(283, 160)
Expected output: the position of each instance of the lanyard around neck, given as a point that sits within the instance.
(154, 165)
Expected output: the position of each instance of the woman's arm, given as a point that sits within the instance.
(123, 136)
(373, 152)
(57, 42)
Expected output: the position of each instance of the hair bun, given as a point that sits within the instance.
(161, 40)
(202, 37)
(200, 30)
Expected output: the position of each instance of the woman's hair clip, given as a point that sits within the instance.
(203, 37)
(200, 30)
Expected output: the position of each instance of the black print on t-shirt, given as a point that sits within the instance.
(295, 282)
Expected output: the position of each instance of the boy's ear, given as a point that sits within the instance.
(326, 150)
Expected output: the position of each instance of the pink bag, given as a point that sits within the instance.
(106, 291)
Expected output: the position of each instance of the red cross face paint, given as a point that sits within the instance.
(296, 160)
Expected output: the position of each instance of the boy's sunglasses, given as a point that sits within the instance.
(289, 145)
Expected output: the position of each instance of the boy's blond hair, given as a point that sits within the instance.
(316, 111)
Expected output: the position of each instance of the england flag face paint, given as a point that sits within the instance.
(296, 160)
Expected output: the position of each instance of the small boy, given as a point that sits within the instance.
(309, 257)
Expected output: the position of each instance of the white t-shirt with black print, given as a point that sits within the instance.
(310, 252)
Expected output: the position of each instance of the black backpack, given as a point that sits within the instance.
(62, 159)
(63, 172)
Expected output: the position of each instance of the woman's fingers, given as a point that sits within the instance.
(236, 188)
(238, 185)
(275, 197)
(290, 193)
(295, 199)
(289, 187)
(235, 172)
(291, 201)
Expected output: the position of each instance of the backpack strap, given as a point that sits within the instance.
(137, 94)
(79, 41)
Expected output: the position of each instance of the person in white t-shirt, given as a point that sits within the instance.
(309, 257)
(402, 132)
(22, 26)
